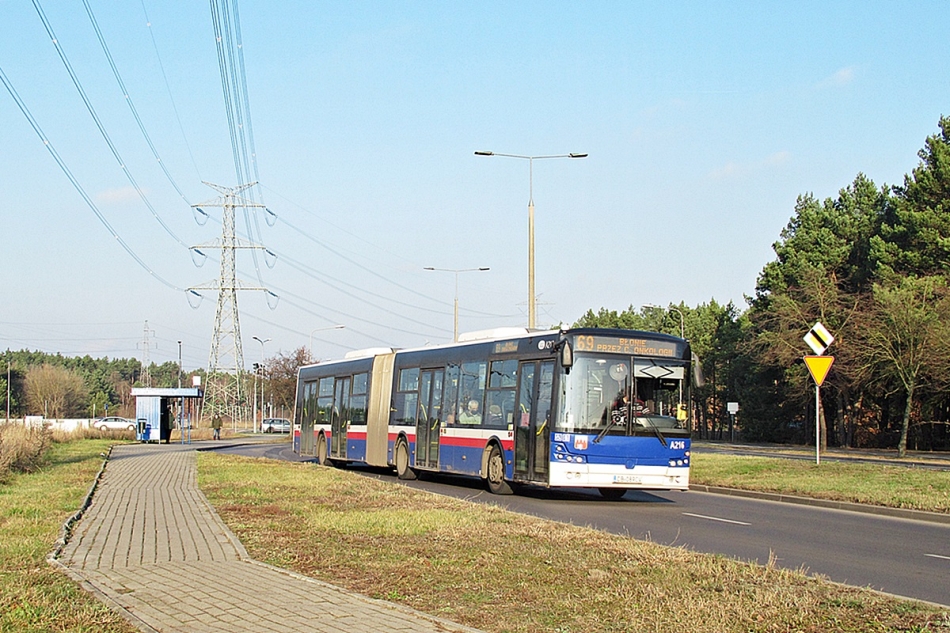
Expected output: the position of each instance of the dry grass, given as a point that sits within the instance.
(500, 572)
(33, 507)
(874, 484)
(22, 449)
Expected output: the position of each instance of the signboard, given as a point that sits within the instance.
(629, 346)
(818, 367)
(819, 338)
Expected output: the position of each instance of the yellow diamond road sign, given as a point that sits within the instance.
(819, 338)
(818, 367)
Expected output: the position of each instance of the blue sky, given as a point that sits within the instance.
(703, 122)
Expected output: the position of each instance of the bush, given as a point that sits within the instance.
(22, 448)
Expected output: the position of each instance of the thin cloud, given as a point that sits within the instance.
(733, 170)
(117, 195)
(842, 77)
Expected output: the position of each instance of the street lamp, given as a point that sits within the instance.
(321, 329)
(254, 429)
(457, 271)
(676, 310)
(532, 307)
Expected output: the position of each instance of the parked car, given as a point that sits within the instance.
(275, 425)
(114, 423)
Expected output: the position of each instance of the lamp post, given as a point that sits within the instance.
(321, 329)
(254, 429)
(676, 310)
(532, 306)
(457, 271)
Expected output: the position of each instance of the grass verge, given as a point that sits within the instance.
(33, 507)
(504, 572)
(874, 484)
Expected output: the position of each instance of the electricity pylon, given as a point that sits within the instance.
(224, 393)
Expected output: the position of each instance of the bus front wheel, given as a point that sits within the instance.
(322, 458)
(496, 472)
(403, 471)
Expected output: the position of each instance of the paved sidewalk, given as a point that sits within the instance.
(151, 547)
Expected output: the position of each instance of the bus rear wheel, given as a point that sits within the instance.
(403, 471)
(496, 472)
(613, 494)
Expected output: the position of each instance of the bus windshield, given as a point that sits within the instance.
(623, 395)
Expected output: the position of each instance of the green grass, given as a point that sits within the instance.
(875, 484)
(500, 571)
(33, 507)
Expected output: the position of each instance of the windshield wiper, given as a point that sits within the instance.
(656, 431)
(610, 424)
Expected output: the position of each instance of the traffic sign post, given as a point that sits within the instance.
(818, 339)
(818, 367)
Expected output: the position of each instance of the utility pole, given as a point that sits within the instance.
(224, 393)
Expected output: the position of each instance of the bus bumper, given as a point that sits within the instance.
(587, 475)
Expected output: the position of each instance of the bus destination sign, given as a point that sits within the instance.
(631, 346)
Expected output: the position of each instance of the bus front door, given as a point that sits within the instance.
(533, 421)
(429, 420)
(340, 420)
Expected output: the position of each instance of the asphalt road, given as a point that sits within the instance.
(899, 556)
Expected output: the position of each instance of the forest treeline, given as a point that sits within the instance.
(57, 386)
(872, 265)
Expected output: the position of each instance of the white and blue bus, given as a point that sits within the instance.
(581, 408)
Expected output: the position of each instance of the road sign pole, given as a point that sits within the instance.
(817, 425)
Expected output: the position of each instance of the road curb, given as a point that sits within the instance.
(900, 513)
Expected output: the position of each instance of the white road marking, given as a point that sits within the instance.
(938, 556)
(703, 516)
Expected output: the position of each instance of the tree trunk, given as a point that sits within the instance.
(839, 420)
(905, 423)
(822, 425)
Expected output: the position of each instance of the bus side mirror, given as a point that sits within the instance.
(567, 355)
(698, 379)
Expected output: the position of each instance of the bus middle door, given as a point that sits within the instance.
(429, 420)
(340, 420)
(533, 420)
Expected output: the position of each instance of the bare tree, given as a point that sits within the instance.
(281, 374)
(55, 392)
(905, 339)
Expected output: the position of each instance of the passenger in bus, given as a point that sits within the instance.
(495, 417)
(471, 414)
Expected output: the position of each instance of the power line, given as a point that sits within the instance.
(128, 100)
(168, 89)
(75, 183)
(98, 121)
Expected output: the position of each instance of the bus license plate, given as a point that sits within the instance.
(627, 479)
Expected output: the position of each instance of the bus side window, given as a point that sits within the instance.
(472, 393)
(450, 399)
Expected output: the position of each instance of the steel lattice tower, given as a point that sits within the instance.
(224, 391)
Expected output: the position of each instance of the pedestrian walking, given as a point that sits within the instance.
(216, 426)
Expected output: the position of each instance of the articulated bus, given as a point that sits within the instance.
(583, 408)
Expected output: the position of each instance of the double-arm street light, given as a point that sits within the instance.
(254, 425)
(532, 306)
(674, 309)
(457, 271)
(322, 329)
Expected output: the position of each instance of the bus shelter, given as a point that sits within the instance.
(158, 411)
